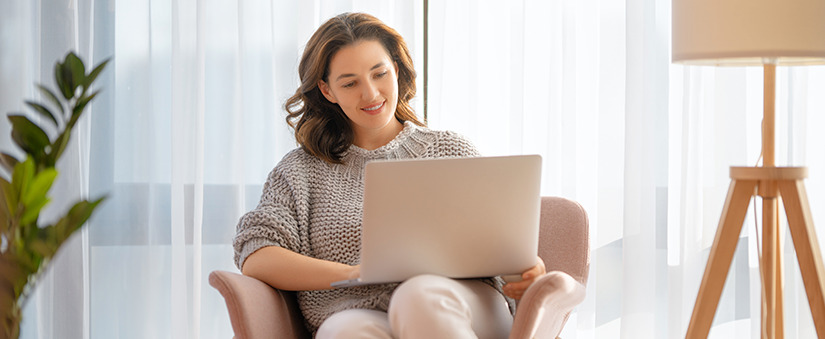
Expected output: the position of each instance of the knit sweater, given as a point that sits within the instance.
(314, 208)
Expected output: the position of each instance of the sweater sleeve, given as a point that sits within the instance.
(274, 222)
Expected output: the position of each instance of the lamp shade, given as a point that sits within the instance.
(749, 32)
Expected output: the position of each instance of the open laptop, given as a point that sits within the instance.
(459, 218)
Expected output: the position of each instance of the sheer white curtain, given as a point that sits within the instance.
(187, 128)
(644, 145)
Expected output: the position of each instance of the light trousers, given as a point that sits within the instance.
(428, 306)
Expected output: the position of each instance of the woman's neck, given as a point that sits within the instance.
(373, 139)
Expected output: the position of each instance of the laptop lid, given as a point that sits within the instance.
(460, 217)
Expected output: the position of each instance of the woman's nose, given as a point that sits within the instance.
(370, 91)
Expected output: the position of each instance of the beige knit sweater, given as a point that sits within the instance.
(314, 208)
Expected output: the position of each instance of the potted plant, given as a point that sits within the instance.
(27, 245)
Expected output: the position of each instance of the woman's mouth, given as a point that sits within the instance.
(374, 108)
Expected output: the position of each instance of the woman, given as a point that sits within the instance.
(352, 107)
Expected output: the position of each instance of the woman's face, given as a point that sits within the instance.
(363, 81)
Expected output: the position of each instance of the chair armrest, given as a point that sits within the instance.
(256, 310)
(544, 308)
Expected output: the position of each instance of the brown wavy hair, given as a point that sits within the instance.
(321, 127)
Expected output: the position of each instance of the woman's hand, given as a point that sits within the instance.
(516, 290)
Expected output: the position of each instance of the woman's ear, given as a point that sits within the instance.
(325, 91)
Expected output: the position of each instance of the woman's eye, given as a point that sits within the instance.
(381, 75)
(349, 84)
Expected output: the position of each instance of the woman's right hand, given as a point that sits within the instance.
(516, 289)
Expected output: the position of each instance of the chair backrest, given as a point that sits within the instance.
(564, 239)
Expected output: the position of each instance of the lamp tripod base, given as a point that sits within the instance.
(770, 183)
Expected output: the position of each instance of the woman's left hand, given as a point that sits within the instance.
(516, 290)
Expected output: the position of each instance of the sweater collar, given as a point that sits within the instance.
(383, 151)
(411, 142)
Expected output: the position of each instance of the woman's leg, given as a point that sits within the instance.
(430, 306)
(355, 324)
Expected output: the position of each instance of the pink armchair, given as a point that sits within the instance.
(257, 310)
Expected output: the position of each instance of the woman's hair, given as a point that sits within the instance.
(321, 127)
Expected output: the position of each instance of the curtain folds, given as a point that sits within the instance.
(190, 122)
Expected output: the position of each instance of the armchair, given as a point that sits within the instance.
(257, 310)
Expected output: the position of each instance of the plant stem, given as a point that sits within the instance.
(10, 313)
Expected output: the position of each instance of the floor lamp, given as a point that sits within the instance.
(766, 33)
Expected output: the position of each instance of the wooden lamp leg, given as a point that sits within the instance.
(779, 282)
(769, 235)
(721, 255)
(806, 244)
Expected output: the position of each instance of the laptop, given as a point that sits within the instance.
(456, 217)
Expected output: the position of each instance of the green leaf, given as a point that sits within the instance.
(5, 216)
(62, 84)
(27, 135)
(8, 162)
(77, 69)
(79, 106)
(44, 248)
(68, 79)
(42, 110)
(51, 96)
(31, 211)
(58, 147)
(9, 196)
(27, 263)
(40, 185)
(95, 72)
(22, 177)
(75, 218)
